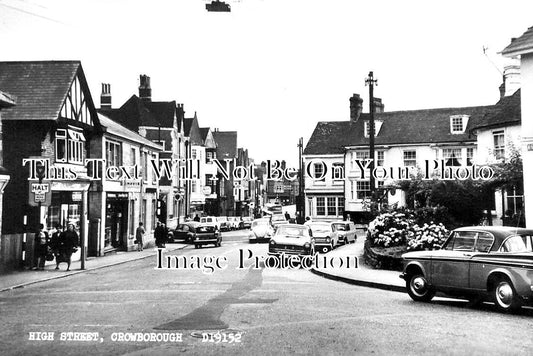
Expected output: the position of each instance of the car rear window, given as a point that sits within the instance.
(514, 244)
(342, 227)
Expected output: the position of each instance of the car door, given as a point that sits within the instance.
(479, 270)
(450, 267)
(350, 232)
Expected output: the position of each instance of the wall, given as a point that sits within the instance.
(526, 70)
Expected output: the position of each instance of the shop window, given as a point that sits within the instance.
(320, 206)
(340, 206)
(332, 208)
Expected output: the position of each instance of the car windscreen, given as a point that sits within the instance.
(292, 231)
(278, 218)
(341, 227)
(320, 228)
(260, 223)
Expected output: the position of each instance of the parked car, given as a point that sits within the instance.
(261, 229)
(477, 262)
(292, 239)
(234, 222)
(246, 222)
(184, 232)
(210, 220)
(324, 235)
(346, 231)
(223, 222)
(278, 219)
(205, 234)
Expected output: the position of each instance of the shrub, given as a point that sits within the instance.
(400, 228)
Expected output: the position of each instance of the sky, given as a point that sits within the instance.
(272, 69)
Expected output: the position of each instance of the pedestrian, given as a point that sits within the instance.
(139, 234)
(40, 248)
(287, 216)
(68, 245)
(55, 243)
(197, 218)
(159, 234)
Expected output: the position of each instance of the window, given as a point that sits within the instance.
(362, 155)
(144, 212)
(145, 166)
(461, 241)
(515, 200)
(69, 146)
(514, 244)
(319, 171)
(380, 158)
(484, 242)
(469, 156)
(193, 153)
(363, 189)
(377, 126)
(457, 124)
(154, 177)
(340, 206)
(133, 157)
(332, 206)
(194, 184)
(154, 210)
(409, 158)
(321, 206)
(452, 156)
(499, 144)
(113, 154)
(338, 171)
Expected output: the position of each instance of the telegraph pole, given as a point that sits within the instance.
(301, 199)
(370, 81)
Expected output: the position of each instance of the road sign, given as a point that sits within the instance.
(39, 193)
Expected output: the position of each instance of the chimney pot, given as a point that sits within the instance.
(356, 107)
(145, 91)
(105, 97)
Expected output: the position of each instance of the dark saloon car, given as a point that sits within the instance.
(478, 263)
(184, 232)
(206, 234)
(292, 239)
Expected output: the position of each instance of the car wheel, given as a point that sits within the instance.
(505, 296)
(418, 288)
(325, 249)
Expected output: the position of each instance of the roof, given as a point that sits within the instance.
(520, 45)
(203, 132)
(187, 124)
(6, 100)
(136, 112)
(117, 129)
(226, 144)
(40, 87)
(192, 130)
(399, 127)
(506, 112)
(500, 233)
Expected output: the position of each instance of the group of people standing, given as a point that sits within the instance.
(60, 246)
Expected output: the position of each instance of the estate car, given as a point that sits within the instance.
(292, 239)
(478, 263)
(324, 235)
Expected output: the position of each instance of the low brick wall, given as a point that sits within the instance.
(380, 258)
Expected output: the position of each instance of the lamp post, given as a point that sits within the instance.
(301, 201)
(370, 81)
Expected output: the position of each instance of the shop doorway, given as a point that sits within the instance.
(116, 222)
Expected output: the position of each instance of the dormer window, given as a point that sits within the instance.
(458, 124)
(377, 127)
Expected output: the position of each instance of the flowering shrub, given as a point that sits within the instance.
(399, 228)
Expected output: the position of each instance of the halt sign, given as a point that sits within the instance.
(39, 193)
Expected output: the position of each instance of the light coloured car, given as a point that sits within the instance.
(278, 219)
(223, 222)
(477, 262)
(324, 235)
(234, 222)
(292, 239)
(346, 231)
(261, 229)
(210, 220)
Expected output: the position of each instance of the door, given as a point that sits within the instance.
(451, 266)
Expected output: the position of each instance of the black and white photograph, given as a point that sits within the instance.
(266, 177)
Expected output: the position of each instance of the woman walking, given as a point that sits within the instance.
(68, 243)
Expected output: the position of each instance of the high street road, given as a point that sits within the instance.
(113, 310)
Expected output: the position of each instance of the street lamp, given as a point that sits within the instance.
(370, 81)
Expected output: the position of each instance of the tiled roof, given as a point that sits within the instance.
(226, 144)
(136, 112)
(520, 45)
(203, 132)
(187, 124)
(40, 87)
(117, 129)
(6, 100)
(399, 127)
(192, 130)
(506, 112)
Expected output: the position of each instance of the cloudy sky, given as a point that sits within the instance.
(271, 69)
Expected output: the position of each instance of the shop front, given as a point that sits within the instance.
(116, 221)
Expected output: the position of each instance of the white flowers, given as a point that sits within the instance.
(398, 228)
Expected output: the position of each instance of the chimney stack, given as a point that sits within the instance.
(356, 107)
(105, 97)
(511, 80)
(379, 107)
(145, 92)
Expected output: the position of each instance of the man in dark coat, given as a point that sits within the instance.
(160, 235)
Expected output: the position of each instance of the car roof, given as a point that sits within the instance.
(500, 233)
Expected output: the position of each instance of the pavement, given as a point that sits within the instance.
(363, 275)
(19, 279)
